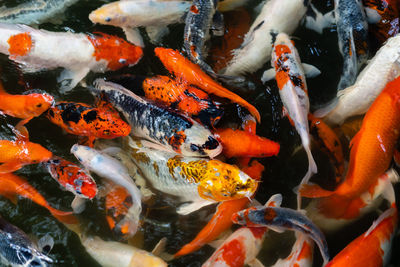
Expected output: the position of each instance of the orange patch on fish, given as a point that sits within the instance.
(20, 44)
(177, 140)
(194, 9)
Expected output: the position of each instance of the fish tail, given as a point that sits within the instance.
(66, 217)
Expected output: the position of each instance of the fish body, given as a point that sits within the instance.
(72, 177)
(256, 48)
(283, 218)
(183, 69)
(372, 248)
(190, 178)
(16, 249)
(111, 169)
(172, 131)
(34, 12)
(352, 29)
(37, 50)
(183, 97)
(356, 99)
(84, 120)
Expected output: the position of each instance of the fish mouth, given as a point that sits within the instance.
(214, 152)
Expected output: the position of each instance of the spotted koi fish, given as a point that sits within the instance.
(283, 219)
(199, 180)
(243, 245)
(292, 85)
(79, 53)
(167, 129)
(92, 122)
(183, 97)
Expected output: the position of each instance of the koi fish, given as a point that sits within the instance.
(283, 219)
(129, 15)
(12, 185)
(356, 99)
(15, 154)
(25, 106)
(199, 180)
(256, 48)
(17, 249)
(221, 220)
(373, 247)
(185, 98)
(185, 70)
(371, 152)
(34, 12)
(293, 92)
(243, 245)
(167, 129)
(238, 143)
(111, 169)
(84, 120)
(79, 53)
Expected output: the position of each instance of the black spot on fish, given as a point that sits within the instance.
(258, 26)
(274, 34)
(70, 116)
(90, 116)
(211, 143)
(297, 81)
(51, 113)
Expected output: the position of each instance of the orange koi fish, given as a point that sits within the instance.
(186, 98)
(12, 185)
(15, 154)
(239, 143)
(327, 139)
(185, 70)
(372, 248)
(221, 220)
(24, 106)
(371, 152)
(83, 120)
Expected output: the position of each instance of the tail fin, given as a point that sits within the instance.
(312, 168)
(66, 217)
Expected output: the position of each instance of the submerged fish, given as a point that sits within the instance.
(199, 180)
(167, 129)
(16, 249)
(79, 53)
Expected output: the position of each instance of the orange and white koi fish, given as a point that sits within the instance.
(24, 106)
(185, 70)
(12, 185)
(79, 53)
(372, 248)
(243, 245)
(371, 152)
(292, 85)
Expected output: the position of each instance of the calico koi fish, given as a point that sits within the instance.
(283, 219)
(25, 106)
(256, 48)
(185, 98)
(356, 99)
(154, 15)
(12, 185)
(239, 143)
(199, 180)
(373, 247)
(167, 129)
(36, 50)
(371, 152)
(183, 69)
(292, 85)
(84, 120)
(243, 245)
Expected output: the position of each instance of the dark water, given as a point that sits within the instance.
(281, 173)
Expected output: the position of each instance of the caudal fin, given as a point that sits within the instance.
(66, 217)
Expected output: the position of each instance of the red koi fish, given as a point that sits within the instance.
(238, 143)
(185, 70)
(372, 248)
(12, 185)
(24, 106)
(371, 152)
(186, 98)
(15, 154)
(84, 120)
(221, 220)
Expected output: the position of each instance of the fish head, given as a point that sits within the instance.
(109, 14)
(200, 142)
(115, 51)
(84, 154)
(38, 103)
(223, 182)
(37, 153)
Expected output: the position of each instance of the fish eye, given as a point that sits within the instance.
(194, 148)
(107, 19)
(39, 105)
(122, 61)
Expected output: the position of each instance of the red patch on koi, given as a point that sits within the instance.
(20, 44)
(193, 50)
(269, 214)
(258, 232)
(233, 253)
(305, 252)
(194, 9)
(177, 140)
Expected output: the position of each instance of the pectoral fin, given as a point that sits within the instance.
(69, 78)
(268, 75)
(310, 71)
(156, 33)
(78, 204)
(317, 21)
(10, 166)
(188, 208)
(133, 35)
(45, 243)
